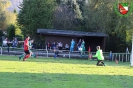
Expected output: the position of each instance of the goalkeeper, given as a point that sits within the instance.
(100, 57)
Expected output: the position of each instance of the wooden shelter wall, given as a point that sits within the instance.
(64, 39)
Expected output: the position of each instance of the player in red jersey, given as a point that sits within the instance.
(26, 48)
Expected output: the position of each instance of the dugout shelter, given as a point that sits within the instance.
(92, 39)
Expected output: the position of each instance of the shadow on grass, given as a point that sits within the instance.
(47, 60)
(57, 80)
(62, 60)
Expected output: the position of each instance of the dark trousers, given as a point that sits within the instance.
(56, 54)
(100, 63)
(8, 45)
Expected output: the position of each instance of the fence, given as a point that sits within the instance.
(123, 57)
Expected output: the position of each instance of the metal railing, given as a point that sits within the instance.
(123, 57)
(1, 50)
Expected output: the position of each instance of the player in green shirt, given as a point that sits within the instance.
(100, 57)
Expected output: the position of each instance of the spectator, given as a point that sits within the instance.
(61, 45)
(67, 47)
(14, 42)
(4, 43)
(79, 44)
(56, 51)
(54, 45)
(83, 47)
(72, 45)
(48, 46)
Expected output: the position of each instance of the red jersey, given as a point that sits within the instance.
(26, 43)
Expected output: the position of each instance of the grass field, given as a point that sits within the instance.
(63, 73)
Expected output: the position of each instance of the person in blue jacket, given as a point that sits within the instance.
(72, 45)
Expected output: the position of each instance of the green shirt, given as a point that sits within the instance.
(99, 55)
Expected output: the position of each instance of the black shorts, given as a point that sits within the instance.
(27, 51)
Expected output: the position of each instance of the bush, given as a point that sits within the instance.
(11, 31)
(1, 33)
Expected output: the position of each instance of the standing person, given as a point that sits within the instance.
(83, 47)
(72, 45)
(48, 46)
(8, 44)
(100, 57)
(79, 44)
(26, 48)
(56, 51)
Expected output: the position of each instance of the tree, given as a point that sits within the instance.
(6, 17)
(1, 33)
(4, 4)
(35, 14)
(68, 15)
(11, 31)
(99, 16)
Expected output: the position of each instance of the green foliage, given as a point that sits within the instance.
(83, 15)
(1, 33)
(58, 1)
(4, 4)
(15, 11)
(18, 31)
(19, 37)
(6, 17)
(68, 15)
(100, 16)
(11, 31)
(10, 18)
(35, 14)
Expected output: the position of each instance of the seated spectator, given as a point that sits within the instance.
(14, 42)
(67, 47)
(61, 45)
(54, 45)
(4, 42)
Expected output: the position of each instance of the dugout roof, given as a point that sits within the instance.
(69, 33)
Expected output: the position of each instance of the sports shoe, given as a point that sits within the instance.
(19, 58)
(35, 56)
(24, 59)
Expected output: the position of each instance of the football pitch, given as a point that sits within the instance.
(63, 73)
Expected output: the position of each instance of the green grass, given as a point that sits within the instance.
(63, 73)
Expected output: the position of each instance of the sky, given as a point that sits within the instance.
(15, 4)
